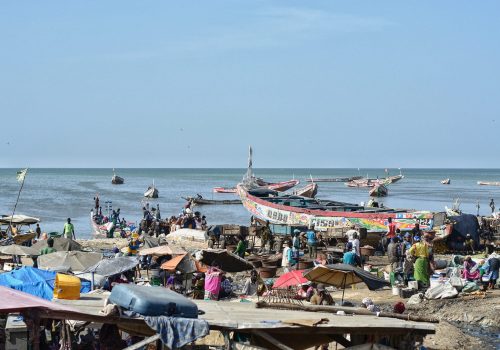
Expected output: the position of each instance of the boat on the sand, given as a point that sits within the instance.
(117, 180)
(278, 208)
(379, 191)
(308, 191)
(446, 181)
(488, 183)
(203, 201)
(151, 192)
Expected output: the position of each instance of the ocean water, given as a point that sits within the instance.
(56, 194)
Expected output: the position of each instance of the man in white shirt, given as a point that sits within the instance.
(285, 262)
(350, 234)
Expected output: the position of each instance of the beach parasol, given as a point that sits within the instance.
(21, 250)
(343, 275)
(225, 260)
(114, 266)
(76, 261)
(292, 278)
(162, 250)
(60, 244)
(19, 220)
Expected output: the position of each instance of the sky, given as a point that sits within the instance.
(194, 83)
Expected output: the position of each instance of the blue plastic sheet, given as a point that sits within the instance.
(34, 281)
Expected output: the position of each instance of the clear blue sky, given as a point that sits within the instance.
(193, 83)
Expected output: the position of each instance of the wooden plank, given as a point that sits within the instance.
(143, 342)
(271, 339)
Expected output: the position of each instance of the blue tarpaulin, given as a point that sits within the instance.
(34, 281)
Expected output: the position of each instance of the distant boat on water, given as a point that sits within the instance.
(117, 180)
(275, 186)
(446, 181)
(308, 191)
(151, 192)
(379, 191)
(488, 183)
(334, 179)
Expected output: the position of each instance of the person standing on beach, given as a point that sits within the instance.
(312, 242)
(38, 231)
(492, 205)
(49, 248)
(69, 230)
(421, 252)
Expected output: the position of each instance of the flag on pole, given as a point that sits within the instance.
(21, 175)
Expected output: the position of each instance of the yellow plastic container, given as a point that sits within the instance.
(67, 287)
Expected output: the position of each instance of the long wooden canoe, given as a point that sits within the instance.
(322, 214)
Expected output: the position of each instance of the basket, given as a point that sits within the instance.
(367, 251)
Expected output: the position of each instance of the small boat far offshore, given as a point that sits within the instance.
(446, 181)
(224, 189)
(151, 192)
(334, 179)
(117, 180)
(488, 183)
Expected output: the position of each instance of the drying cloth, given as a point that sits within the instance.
(175, 332)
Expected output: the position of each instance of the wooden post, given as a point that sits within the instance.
(143, 342)
(271, 339)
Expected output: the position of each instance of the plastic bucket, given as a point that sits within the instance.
(395, 290)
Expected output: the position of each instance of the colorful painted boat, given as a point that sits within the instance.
(322, 214)
(308, 191)
(203, 201)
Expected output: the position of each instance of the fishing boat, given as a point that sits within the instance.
(488, 183)
(278, 208)
(282, 186)
(308, 191)
(334, 179)
(224, 189)
(117, 180)
(203, 201)
(368, 182)
(276, 186)
(446, 181)
(379, 191)
(151, 192)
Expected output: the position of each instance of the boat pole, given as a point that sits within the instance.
(21, 176)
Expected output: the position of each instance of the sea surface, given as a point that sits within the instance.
(56, 194)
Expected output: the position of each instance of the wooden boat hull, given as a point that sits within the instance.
(282, 186)
(224, 190)
(488, 183)
(203, 201)
(379, 191)
(117, 180)
(308, 191)
(276, 186)
(335, 179)
(152, 192)
(373, 221)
